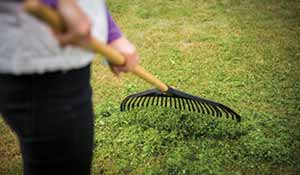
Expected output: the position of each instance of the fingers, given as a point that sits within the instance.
(128, 51)
(78, 24)
(73, 37)
(114, 70)
(131, 60)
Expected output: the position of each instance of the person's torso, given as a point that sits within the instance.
(27, 46)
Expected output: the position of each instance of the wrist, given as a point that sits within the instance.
(123, 45)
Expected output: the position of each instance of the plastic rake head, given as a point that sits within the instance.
(180, 100)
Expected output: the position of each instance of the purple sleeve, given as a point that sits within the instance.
(114, 31)
(52, 3)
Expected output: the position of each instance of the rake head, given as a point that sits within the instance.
(180, 100)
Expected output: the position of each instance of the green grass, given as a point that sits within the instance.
(245, 54)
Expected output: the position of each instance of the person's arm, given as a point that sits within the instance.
(114, 31)
(117, 41)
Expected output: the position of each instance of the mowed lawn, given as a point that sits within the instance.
(245, 54)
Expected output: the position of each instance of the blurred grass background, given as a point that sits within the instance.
(245, 54)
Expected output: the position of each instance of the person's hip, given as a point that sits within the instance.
(46, 90)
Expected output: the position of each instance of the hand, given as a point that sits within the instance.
(128, 51)
(77, 22)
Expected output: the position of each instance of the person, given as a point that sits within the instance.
(45, 91)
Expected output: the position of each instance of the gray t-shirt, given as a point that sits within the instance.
(27, 46)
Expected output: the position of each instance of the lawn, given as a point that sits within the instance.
(245, 54)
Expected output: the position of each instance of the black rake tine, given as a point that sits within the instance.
(187, 102)
(192, 105)
(235, 116)
(207, 110)
(148, 100)
(188, 105)
(171, 102)
(141, 102)
(138, 101)
(183, 104)
(123, 105)
(232, 115)
(157, 102)
(218, 113)
(224, 110)
(197, 107)
(200, 105)
(211, 109)
(216, 109)
(179, 103)
(175, 103)
(166, 102)
(202, 108)
(144, 99)
(163, 101)
(133, 102)
(231, 112)
(128, 103)
(153, 100)
(149, 103)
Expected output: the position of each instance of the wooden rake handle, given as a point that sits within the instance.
(52, 18)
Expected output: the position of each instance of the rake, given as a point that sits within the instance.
(163, 95)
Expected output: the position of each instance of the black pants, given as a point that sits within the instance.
(52, 117)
